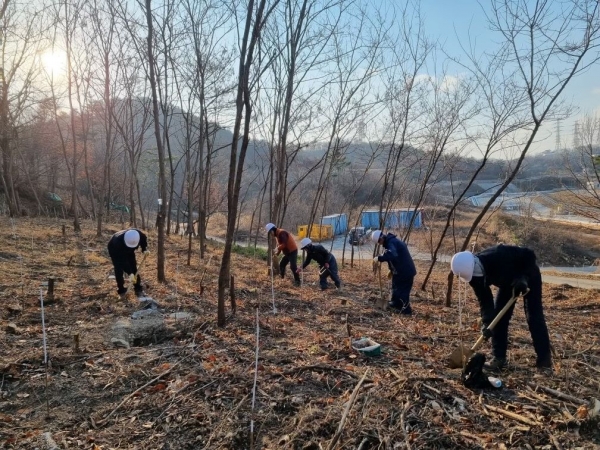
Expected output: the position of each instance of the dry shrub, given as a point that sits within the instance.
(559, 244)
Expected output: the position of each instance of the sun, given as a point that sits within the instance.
(54, 62)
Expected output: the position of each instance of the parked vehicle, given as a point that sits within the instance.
(357, 236)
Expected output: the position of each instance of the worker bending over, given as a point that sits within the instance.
(401, 266)
(286, 245)
(514, 271)
(121, 248)
(326, 261)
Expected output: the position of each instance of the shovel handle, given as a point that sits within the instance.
(140, 267)
(497, 319)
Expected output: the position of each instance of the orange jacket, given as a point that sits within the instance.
(286, 242)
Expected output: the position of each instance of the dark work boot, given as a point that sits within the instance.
(544, 366)
(496, 364)
(544, 363)
(400, 309)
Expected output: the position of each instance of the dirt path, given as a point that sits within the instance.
(365, 252)
(575, 282)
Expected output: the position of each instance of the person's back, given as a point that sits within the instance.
(286, 241)
(505, 263)
(402, 267)
(318, 253)
(117, 245)
(401, 260)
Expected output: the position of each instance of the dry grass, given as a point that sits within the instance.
(193, 389)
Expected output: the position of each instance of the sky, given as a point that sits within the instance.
(454, 21)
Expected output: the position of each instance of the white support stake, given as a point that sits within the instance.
(273, 285)
(43, 327)
(255, 376)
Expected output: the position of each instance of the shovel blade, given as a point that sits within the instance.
(459, 356)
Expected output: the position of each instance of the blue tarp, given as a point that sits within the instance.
(395, 218)
(339, 223)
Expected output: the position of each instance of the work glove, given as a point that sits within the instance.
(299, 269)
(326, 265)
(390, 274)
(486, 332)
(520, 287)
(133, 277)
(376, 259)
(146, 252)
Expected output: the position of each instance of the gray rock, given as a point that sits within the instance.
(147, 327)
(14, 309)
(120, 342)
(146, 314)
(12, 328)
(180, 316)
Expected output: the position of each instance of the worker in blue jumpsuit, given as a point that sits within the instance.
(401, 266)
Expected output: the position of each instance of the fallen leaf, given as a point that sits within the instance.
(582, 412)
(157, 388)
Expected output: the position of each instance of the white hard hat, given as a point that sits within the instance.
(132, 238)
(376, 235)
(269, 226)
(462, 264)
(304, 242)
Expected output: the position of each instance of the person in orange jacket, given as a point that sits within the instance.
(286, 245)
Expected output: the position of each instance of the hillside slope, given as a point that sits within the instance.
(190, 386)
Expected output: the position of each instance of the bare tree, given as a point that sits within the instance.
(354, 65)
(410, 50)
(583, 164)
(544, 49)
(162, 182)
(103, 25)
(300, 46)
(255, 19)
(20, 42)
(70, 18)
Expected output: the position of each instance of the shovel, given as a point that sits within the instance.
(134, 277)
(381, 301)
(462, 354)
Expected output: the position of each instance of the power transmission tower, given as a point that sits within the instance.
(557, 132)
(576, 135)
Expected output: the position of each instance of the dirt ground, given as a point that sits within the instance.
(192, 386)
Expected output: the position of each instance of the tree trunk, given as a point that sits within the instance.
(160, 219)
